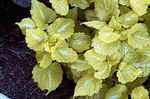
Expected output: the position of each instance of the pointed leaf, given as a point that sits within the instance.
(41, 14)
(87, 84)
(44, 59)
(61, 6)
(106, 8)
(61, 28)
(47, 78)
(61, 53)
(140, 93)
(127, 73)
(108, 35)
(35, 39)
(26, 23)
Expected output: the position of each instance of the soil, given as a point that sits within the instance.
(17, 61)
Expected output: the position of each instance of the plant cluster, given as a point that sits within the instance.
(103, 45)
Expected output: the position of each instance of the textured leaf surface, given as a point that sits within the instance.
(117, 92)
(138, 36)
(106, 8)
(127, 73)
(44, 59)
(94, 58)
(108, 35)
(140, 6)
(79, 3)
(105, 48)
(47, 78)
(113, 23)
(26, 23)
(128, 19)
(41, 14)
(80, 42)
(61, 28)
(140, 93)
(35, 39)
(80, 64)
(94, 24)
(62, 53)
(61, 6)
(87, 84)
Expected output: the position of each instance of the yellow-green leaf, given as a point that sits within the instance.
(79, 3)
(127, 73)
(47, 78)
(41, 14)
(140, 6)
(140, 93)
(105, 9)
(61, 28)
(26, 23)
(94, 24)
(93, 58)
(87, 84)
(35, 39)
(113, 23)
(80, 42)
(80, 64)
(105, 48)
(61, 6)
(44, 59)
(61, 53)
(138, 36)
(108, 35)
(117, 92)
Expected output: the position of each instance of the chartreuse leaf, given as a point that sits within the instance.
(103, 72)
(106, 8)
(82, 4)
(108, 35)
(44, 59)
(93, 58)
(80, 64)
(90, 15)
(113, 23)
(140, 61)
(138, 36)
(61, 6)
(41, 14)
(26, 23)
(128, 19)
(117, 92)
(140, 6)
(136, 83)
(127, 73)
(139, 93)
(87, 84)
(105, 48)
(47, 78)
(94, 24)
(80, 42)
(76, 75)
(36, 38)
(124, 2)
(126, 48)
(100, 95)
(62, 53)
(61, 28)
(114, 58)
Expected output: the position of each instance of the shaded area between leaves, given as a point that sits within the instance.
(17, 61)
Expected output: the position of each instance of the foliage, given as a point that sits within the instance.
(104, 44)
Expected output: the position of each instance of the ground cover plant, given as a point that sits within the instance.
(103, 45)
